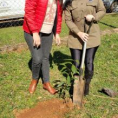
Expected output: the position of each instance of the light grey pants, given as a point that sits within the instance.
(40, 56)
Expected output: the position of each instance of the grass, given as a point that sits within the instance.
(15, 76)
(14, 35)
(109, 22)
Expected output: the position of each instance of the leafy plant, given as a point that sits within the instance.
(64, 86)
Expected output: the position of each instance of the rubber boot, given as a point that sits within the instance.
(88, 77)
(87, 85)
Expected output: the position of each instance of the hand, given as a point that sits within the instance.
(89, 17)
(83, 36)
(58, 40)
(37, 40)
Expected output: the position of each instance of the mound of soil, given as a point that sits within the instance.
(54, 108)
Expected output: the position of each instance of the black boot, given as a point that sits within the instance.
(86, 90)
(88, 77)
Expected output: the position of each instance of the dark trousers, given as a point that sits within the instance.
(89, 60)
(40, 56)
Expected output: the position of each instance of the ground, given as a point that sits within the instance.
(53, 108)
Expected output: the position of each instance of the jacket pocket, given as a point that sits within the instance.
(94, 4)
(76, 12)
(91, 7)
(74, 4)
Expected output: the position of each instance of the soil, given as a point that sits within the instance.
(13, 48)
(116, 116)
(53, 108)
(109, 31)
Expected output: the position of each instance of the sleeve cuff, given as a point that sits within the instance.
(75, 30)
(35, 31)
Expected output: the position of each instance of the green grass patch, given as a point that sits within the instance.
(109, 21)
(15, 77)
(11, 36)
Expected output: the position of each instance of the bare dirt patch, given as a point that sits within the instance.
(11, 48)
(109, 31)
(54, 108)
(116, 116)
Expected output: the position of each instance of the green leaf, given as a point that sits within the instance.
(65, 73)
(68, 63)
(59, 85)
(56, 81)
(77, 61)
(63, 69)
(62, 64)
(68, 59)
(74, 69)
(68, 80)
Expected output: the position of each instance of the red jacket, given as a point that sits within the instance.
(35, 11)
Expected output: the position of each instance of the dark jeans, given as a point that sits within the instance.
(40, 56)
(89, 60)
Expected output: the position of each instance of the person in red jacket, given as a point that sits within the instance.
(42, 19)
